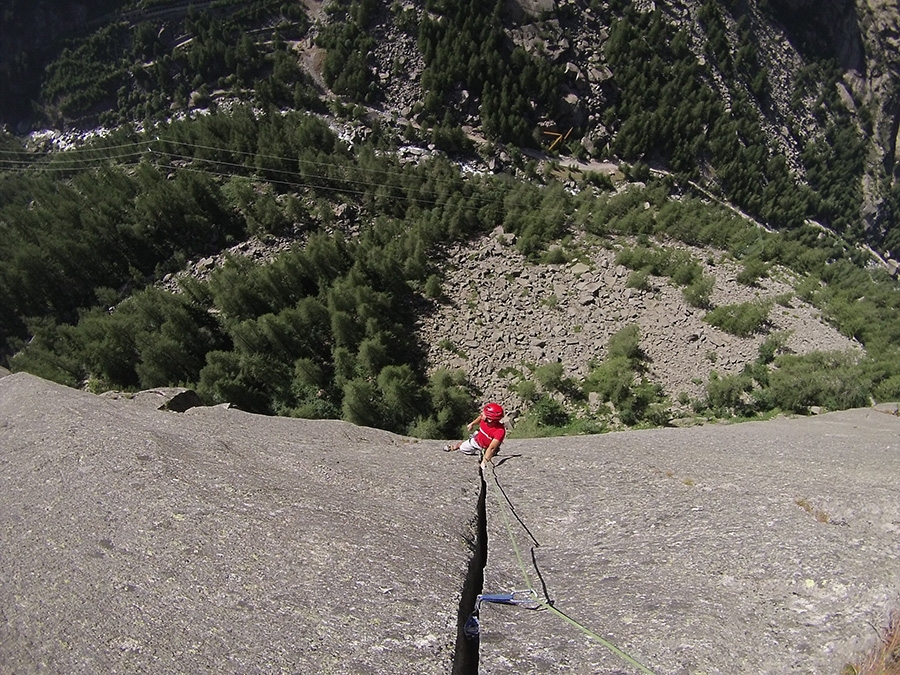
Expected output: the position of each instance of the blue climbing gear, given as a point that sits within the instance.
(525, 598)
(472, 627)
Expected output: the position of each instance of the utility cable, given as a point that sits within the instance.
(87, 157)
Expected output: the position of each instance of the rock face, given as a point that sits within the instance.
(143, 540)
(139, 540)
(176, 399)
(752, 548)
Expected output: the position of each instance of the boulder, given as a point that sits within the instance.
(176, 399)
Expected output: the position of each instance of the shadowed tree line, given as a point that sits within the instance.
(326, 329)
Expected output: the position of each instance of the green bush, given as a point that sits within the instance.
(772, 346)
(833, 380)
(645, 403)
(618, 380)
(728, 394)
(683, 269)
(742, 320)
(553, 256)
(887, 389)
(526, 390)
(639, 279)
(550, 376)
(753, 270)
(548, 412)
(433, 287)
(699, 292)
(612, 380)
(451, 405)
(626, 343)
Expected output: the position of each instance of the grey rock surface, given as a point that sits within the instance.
(176, 399)
(141, 541)
(765, 547)
(137, 540)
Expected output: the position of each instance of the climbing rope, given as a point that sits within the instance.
(543, 603)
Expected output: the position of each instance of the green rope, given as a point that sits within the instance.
(546, 605)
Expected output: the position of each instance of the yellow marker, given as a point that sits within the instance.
(559, 137)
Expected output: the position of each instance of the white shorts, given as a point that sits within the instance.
(470, 447)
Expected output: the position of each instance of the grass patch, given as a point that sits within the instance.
(743, 319)
(819, 514)
(450, 346)
(884, 657)
(550, 301)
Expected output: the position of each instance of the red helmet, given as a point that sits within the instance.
(493, 412)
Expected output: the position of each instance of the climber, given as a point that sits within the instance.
(487, 439)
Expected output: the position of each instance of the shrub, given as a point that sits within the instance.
(699, 292)
(627, 344)
(553, 256)
(772, 346)
(548, 412)
(433, 287)
(550, 376)
(754, 269)
(639, 279)
(639, 258)
(526, 389)
(888, 389)
(644, 403)
(684, 270)
(742, 320)
(784, 299)
(612, 380)
(451, 404)
(727, 394)
(808, 289)
(833, 380)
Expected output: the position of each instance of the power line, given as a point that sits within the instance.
(133, 152)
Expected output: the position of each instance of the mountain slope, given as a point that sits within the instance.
(501, 319)
(439, 126)
(786, 108)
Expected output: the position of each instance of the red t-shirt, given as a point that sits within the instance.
(489, 431)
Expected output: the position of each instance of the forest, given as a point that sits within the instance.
(323, 330)
(91, 234)
(664, 106)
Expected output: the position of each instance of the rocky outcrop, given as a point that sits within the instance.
(137, 540)
(750, 548)
(175, 399)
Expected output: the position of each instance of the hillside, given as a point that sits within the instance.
(344, 225)
(787, 109)
(666, 206)
(138, 539)
(500, 319)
